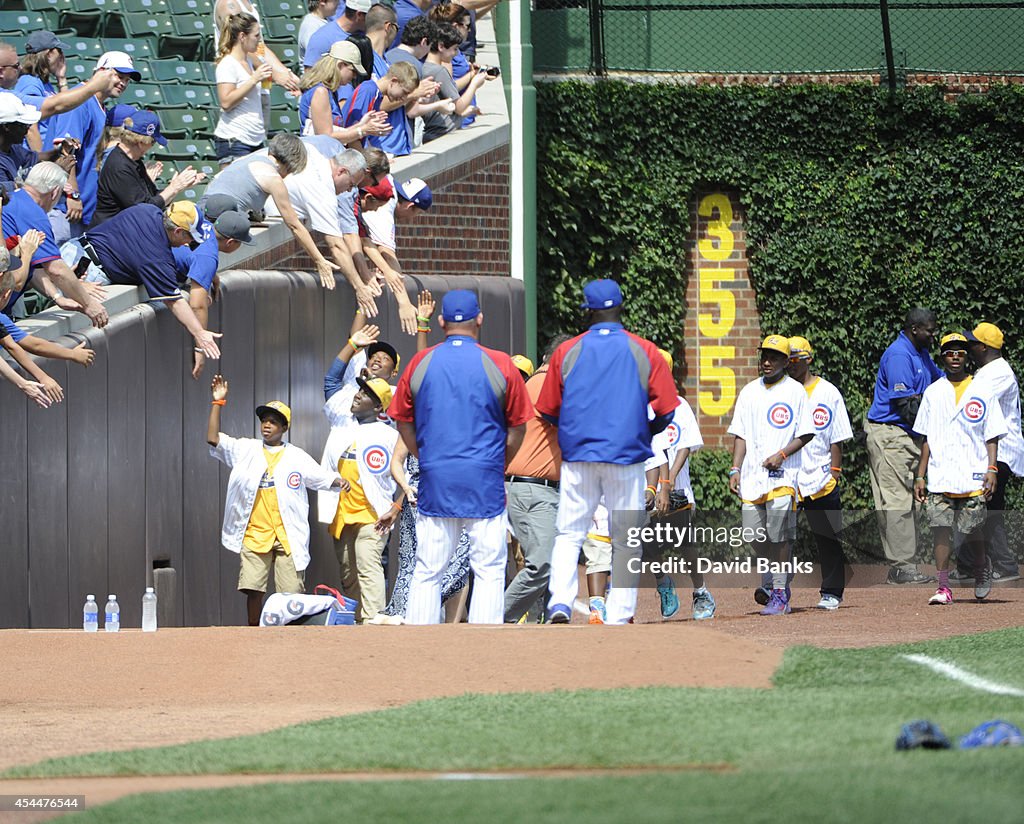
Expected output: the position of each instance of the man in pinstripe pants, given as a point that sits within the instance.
(462, 410)
(597, 391)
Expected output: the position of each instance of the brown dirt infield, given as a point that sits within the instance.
(65, 692)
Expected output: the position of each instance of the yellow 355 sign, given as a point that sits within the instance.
(716, 308)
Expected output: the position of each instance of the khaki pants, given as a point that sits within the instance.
(893, 458)
(359, 551)
(254, 572)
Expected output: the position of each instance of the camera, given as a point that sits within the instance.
(493, 71)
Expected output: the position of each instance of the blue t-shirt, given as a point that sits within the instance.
(33, 92)
(133, 249)
(200, 264)
(369, 98)
(406, 10)
(306, 99)
(86, 123)
(347, 219)
(15, 163)
(380, 66)
(20, 215)
(903, 372)
(461, 67)
(9, 327)
(321, 41)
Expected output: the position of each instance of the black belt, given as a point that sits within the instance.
(523, 479)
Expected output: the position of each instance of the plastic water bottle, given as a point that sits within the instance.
(113, 615)
(90, 614)
(149, 610)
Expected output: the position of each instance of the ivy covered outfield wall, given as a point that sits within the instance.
(856, 207)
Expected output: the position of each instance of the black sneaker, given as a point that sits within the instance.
(899, 576)
(1005, 577)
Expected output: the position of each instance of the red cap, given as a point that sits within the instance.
(382, 191)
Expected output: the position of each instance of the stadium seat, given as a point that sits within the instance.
(196, 97)
(283, 120)
(194, 193)
(279, 98)
(144, 95)
(23, 22)
(87, 17)
(138, 48)
(209, 70)
(177, 71)
(287, 50)
(153, 7)
(186, 38)
(184, 123)
(145, 25)
(295, 9)
(197, 8)
(84, 49)
(280, 28)
(188, 149)
(15, 40)
(50, 9)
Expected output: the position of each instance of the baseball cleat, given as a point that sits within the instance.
(598, 610)
(983, 581)
(762, 596)
(943, 595)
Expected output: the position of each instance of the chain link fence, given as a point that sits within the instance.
(889, 38)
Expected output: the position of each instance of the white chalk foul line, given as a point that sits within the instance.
(964, 677)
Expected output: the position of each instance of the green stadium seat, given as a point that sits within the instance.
(144, 95)
(138, 48)
(145, 25)
(209, 70)
(85, 49)
(186, 149)
(195, 192)
(196, 97)
(177, 71)
(51, 9)
(295, 9)
(87, 17)
(287, 50)
(187, 37)
(283, 121)
(197, 8)
(280, 28)
(153, 7)
(182, 123)
(17, 41)
(23, 22)
(279, 98)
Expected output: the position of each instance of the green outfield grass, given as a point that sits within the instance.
(817, 747)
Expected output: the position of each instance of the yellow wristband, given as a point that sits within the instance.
(354, 345)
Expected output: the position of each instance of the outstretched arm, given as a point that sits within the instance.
(219, 393)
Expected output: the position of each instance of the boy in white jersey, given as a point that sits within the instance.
(962, 428)
(266, 512)
(771, 424)
(821, 466)
(669, 475)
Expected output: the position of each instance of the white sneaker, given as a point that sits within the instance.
(382, 620)
(829, 602)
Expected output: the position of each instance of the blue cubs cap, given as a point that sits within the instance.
(993, 734)
(145, 123)
(922, 733)
(116, 115)
(416, 191)
(459, 306)
(601, 294)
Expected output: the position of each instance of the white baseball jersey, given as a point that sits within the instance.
(295, 473)
(682, 432)
(997, 379)
(768, 418)
(831, 425)
(956, 434)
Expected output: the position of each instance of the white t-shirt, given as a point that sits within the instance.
(831, 425)
(311, 23)
(380, 223)
(682, 432)
(768, 418)
(245, 121)
(956, 433)
(312, 194)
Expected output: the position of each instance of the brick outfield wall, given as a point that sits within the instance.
(743, 334)
(466, 231)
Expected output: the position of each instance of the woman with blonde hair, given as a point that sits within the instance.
(319, 108)
(124, 180)
(241, 129)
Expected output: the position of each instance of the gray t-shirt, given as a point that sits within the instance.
(310, 24)
(396, 55)
(437, 124)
